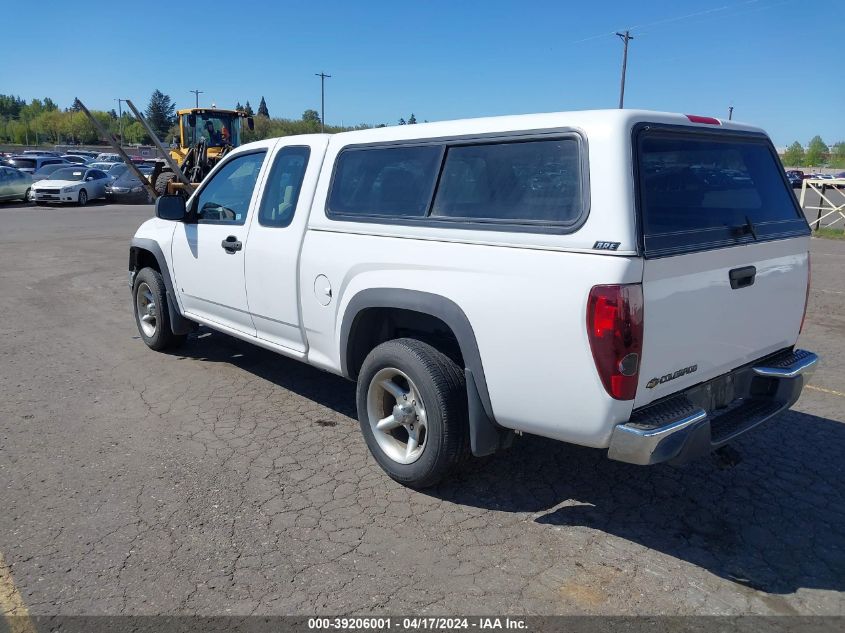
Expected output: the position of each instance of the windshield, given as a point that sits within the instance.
(216, 128)
(68, 174)
(49, 169)
(117, 169)
(127, 179)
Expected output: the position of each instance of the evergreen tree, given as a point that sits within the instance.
(160, 113)
(262, 108)
(239, 107)
(401, 121)
(412, 120)
(248, 109)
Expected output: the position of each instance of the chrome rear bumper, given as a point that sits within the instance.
(687, 425)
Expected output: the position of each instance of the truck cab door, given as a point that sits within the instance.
(208, 253)
(275, 241)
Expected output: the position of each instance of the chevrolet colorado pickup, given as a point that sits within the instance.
(626, 280)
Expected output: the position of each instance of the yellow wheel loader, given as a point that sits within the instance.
(205, 136)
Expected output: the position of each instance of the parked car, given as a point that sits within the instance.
(795, 177)
(146, 169)
(102, 166)
(31, 163)
(47, 170)
(79, 160)
(470, 299)
(14, 184)
(39, 152)
(116, 171)
(106, 157)
(82, 152)
(128, 189)
(73, 184)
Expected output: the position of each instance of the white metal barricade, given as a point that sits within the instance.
(826, 206)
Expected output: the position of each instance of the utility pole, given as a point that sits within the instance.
(730, 113)
(197, 94)
(120, 118)
(323, 77)
(626, 37)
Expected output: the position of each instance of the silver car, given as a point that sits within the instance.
(14, 184)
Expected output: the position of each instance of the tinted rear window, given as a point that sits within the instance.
(525, 182)
(24, 163)
(700, 191)
(390, 181)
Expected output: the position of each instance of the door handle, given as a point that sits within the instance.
(231, 244)
(742, 277)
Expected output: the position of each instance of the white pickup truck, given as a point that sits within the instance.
(625, 280)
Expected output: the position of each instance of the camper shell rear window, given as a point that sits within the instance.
(701, 190)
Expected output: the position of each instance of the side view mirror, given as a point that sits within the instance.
(171, 207)
(192, 120)
(89, 178)
(250, 123)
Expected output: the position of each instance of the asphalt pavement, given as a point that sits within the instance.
(222, 479)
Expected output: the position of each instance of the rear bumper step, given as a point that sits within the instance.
(686, 425)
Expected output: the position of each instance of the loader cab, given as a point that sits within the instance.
(218, 128)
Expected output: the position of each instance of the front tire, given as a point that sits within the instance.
(149, 298)
(413, 412)
(27, 196)
(83, 198)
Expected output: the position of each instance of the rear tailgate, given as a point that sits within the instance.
(726, 255)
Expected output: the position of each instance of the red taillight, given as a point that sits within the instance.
(807, 295)
(615, 330)
(709, 120)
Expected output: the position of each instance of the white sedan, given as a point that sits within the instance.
(72, 184)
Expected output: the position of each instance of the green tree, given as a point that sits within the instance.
(248, 109)
(312, 116)
(134, 133)
(817, 152)
(239, 107)
(160, 113)
(412, 120)
(794, 155)
(837, 154)
(401, 121)
(262, 108)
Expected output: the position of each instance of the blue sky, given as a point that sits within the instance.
(443, 59)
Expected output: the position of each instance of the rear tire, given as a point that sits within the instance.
(413, 412)
(149, 298)
(83, 198)
(27, 196)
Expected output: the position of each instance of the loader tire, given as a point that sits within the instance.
(161, 182)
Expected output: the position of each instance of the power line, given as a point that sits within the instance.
(714, 17)
(694, 15)
(705, 12)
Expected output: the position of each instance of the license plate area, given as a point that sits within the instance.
(728, 389)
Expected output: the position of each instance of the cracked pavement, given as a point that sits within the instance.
(222, 479)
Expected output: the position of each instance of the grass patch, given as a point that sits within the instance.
(831, 234)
